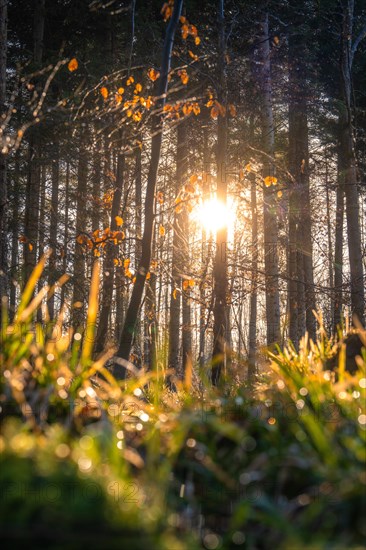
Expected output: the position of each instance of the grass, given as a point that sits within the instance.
(88, 461)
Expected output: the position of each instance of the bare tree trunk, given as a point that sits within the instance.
(252, 339)
(350, 167)
(108, 264)
(220, 346)
(269, 194)
(96, 179)
(329, 232)
(301, 296)
(3, 183)
(177, 260)
(79, 290)
(54, 223)
(204, 253)
(137, 292)
(41, 227)
(338, 250)
(15, 236)
(33, 181)
(66, 230)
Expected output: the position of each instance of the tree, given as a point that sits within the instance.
(269, 193)
(129, 326)
(220, 352)
(3, 183)
(349, 165)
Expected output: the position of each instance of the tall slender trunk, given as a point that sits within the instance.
(66, 229)
(129, 326)
(338, 248)
(41, 241)
(177, 261)
(3, 183)
(329, 232)
(350, 175)
(220, 352)
(204, 251)
(110, 256)
(301, 296)
(15, 236)
(96, 182)
(269, 193)
(54, 223)
(252, 339)
(79, 289)
(33, 181)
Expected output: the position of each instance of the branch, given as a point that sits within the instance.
(356, 43)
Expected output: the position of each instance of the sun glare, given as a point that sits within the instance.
(212, 215)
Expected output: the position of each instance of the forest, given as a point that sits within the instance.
(182, 274)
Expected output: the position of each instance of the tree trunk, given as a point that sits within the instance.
(15, 236)
(177, 259)
(350, 175)
(204, 252)
(66, 230)
(220, 351)
(157, 127)
(33, 182)
(108, 264)
(269, 193)
(301, 296)
(3, 183)
(79, 290)
(252, 339)
(338, 257)
(54, 224)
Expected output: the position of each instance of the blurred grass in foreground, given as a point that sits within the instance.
(87, 461)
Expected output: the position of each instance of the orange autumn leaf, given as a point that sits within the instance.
(148, 275)
(185, 31)
(193, 30)
(175, 294)
(137, 116)
(196, 109)
(232, 109)
(121, 91)
(161, 231)
(270, 180)
(30, 246)
(104, 92)
(73, 65)
(183, 76)
(279, 194)
(115, 261)
(248, 167)
(197, 41)
(179, 207)
(138, 89)
(214, 113)
(193, 55)
(126, 263)
(119, 221)
(187, 108)
(153, 74)
(191, 283)
(130, 80)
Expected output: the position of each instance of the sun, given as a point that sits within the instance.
(212, 215)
